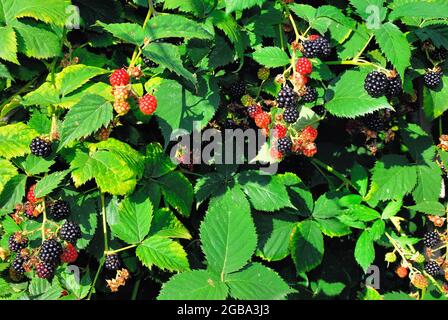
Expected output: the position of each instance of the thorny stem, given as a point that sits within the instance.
(92, 288)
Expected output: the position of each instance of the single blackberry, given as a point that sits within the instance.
(284, 145)
(253, 110)
(439, 54)
(319, 110)
(70, 232)
(432, 268)
(112, 262)
(17, 264)
(374, 122)
(286, 98)
(394, 87)
(433, 79)
(59, 210)
(50, 251)
(41, 148)
(148, 62)
(318, 48)
(17, 242)
(310, 95)
(290, 115)
(45, 270)
(431, 239)
(376, 84)
(237, 90)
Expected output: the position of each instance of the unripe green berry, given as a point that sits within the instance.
(247, 100)
(263, 74)
(390, 257)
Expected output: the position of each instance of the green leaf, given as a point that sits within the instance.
(334, 227)
(395, 46)
(75, 76)
(40, 122)
(429, 207)
(362, 213)
(85, 213)
(266, 193)
(362, 7)
(420, 9)
(429, 181)
(274, 232)
(168, 56)
(166, 224)
(177, 192)
(196, 7)
(326, 207)
(193, 285)
(392, 208)
(240, 5)
(48, 11)
(8, 50)
(350, 99)
(257, 282)
(16, 139)
(228, 233)
(330, 289)
(360, 178)
(7, 171)
(4, 73)
(307, 246)
(377, 229)
(435, 102)
(157, 163)
(134, 219)
(86, 117)
(128, 32)
(163, 252)
(48, 183)
(79, 287)
(271, 57)
(397, 295)
(29, 39)
(174, 26)
(13, 193)
(34, 165)
(364, 250)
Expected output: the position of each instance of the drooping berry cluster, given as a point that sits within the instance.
(119, 81)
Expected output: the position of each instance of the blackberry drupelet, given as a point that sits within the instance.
(59, 210)
(290, 115)
(17, 242)
(431, 239)
(41, 148)
(70, 232)
(394, 87)
(318, 48)
(112, 262)
(286, 97)
(432, 268)
(374, 122)
(310, 95)
(376, 84)
(284, 145)
(433, 79)
(45, 270)
(50, 251)
(237, 90)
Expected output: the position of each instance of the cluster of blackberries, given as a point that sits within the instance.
(377, 84)
(316, 47)
(433, 79)
(40, 147)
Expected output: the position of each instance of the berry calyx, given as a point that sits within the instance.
(50, 251)
(304, 66)
(70, 232)
(401, 271)
(263, 119)
(112, 262)
(279, 131)
(284, 145)
(433, 79)
(59, 210)
(254, 110)
(148, 104)
(290, 115)
(121, 107)
(376, 84)
(40, 147)
(309, 134)
(70, 254)
(119, 77)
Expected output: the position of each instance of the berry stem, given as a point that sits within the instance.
(44, 219)
(136, 288)
(54, 127)
(137, 51)
(296, 31)
(95, 279)
(120, 250)
(333, 171)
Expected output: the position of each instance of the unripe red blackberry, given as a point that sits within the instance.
(45, 270)
(376, 84)
(254, 110)
(119, 77)
(290, 115)
(50, 251)
(70, 232)
(40, 147)
(112, 262)
(59, 210)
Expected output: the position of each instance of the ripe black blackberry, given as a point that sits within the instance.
(433, 79)
(148, 62)
(113, 262)
(70, 232)
(290, 115)
(284, 145)
(45, 270)
(374, 122)
(237, 90)
(17, 242)
(376, 84)
(59, 210)
(318, 48)
(319, 110)
(394, 87)
(439, 54)
(41, 148)
(431, 239)
(17, 264)
(432, 268)
(310, 95)
(50, 251)
(286, 98)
